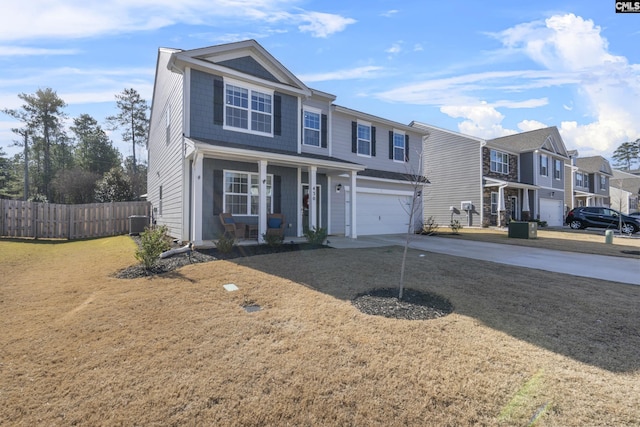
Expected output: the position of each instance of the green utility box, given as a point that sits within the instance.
(523, 230)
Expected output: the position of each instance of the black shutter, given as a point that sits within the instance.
(406, 148)
(390, 145)
(373, 141)
(323, 131)
(354, 137)
(277, 194)
(218, 102)
(277, 115)
(218, 191)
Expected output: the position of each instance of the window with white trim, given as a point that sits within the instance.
(544, 165)
(241, 193)
(494, 203)
(364, 139)
(579, 179)
(312, 123)
(248, 108)
(603, 182)
(557, 171)
(586, 180)
(499, 162)
(399, 154)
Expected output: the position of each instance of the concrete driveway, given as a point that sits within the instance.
(623, 270)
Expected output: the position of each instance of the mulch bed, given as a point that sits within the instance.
(166, 265)
(414, 305)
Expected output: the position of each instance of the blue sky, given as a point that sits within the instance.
(486, 69)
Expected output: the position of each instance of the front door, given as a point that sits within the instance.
(515, 212)
(305, 207)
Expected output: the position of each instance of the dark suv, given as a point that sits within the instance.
(600, 217)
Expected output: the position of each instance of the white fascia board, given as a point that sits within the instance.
(376, 119)
(241, 154)
(181, 61)
(493, 182)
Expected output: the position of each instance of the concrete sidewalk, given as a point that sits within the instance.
(623, 270)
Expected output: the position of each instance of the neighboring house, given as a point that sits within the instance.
(624, 191)
(589, 185)
(232, 130)
(478, 182)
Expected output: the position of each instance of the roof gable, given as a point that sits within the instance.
(547, 139)
(246, 59)
(594, 164)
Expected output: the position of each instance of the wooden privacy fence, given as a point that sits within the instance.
(49, 220)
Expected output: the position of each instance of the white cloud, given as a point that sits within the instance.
(62, 19)
(34, 51)
(395, 48)
(323, 24)
(389, 13)
(366, 72)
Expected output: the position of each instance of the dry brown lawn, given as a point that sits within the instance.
(80, 347)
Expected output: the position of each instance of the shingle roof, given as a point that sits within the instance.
(548, 139)
(627, 181)
(594, 164)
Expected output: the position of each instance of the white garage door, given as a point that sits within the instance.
(552, 212)
(382, 213)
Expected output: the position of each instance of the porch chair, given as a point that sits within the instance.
(275, 225)
(231, 227)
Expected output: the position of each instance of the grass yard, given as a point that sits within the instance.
(522, 347)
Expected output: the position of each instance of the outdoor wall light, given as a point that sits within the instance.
(338, 188)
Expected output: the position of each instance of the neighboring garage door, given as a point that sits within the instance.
(552, 212)
(382, 213)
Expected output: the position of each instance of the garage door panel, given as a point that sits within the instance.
(382, 214)
(552, 212)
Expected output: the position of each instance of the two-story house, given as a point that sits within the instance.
(589, 185)
(232, 130)
(624, 192)
(490, 182)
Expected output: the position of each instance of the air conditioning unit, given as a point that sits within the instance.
(466, 206)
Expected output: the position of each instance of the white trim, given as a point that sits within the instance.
(248, 194)
(250, 89)
(384, 191)
(319, 113)
(404, 143)
(366, 124)
(186, 102)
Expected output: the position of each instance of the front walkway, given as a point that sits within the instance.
(623, 270)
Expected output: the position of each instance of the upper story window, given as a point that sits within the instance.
(603, 182)
(544, 165)
(248, 108)
(399, 148)
(579, 179)
(499, 162)
(586, 180)
(312, 128)
(241, 192)
(364, 139)
(557, 170)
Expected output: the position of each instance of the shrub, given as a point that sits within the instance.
(455, 226)
(153, 241)
(430, 227)
(272, 240)
(225, 243)
(316, 236)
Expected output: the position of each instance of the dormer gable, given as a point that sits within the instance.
(246, 60)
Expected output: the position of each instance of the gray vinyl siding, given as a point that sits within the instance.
(528, 167)
(213, 193)
(203, 127)
(250, 66)
(324, 109)
(454, 169)
(165, 162)
(341, 146)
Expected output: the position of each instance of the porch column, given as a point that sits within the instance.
(196, 208)
(354, 225)
(313, 198)
(525, 205)
(501, 207)
(262, 199)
